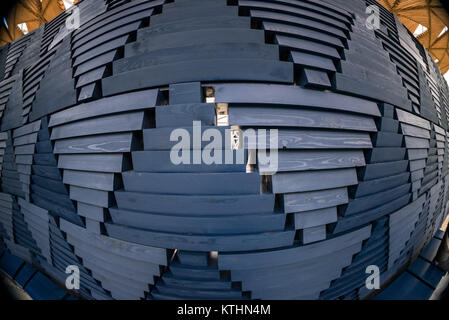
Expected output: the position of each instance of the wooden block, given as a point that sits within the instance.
(117, 247)
(106, 124)
(409, 118)
(96, 40)
(95, 63)
(193, 258)
(295, 20)
(159, 161)
(253, 115)
(91, 76)
(388, 139)
(317, 139)
(192, 183)
(42, 288)
(373, 186)
(91, 196)
(307, 46)
(200, 225)
(108, 143)
(92, 180)
(27, 129)
(268, 259)
(49, 184)
(360, 219)
(430, 251)
(406, 287)
(10, 264)
(93, 226)
(137, 58)
(288, 95)
(197, 206)
(414, 131)
(185, 93)
(210, 70)
(313, 234)
(90, 211)
(126, 102)
(159, 138)
(377, 199)
(202, 243)
(310, 60)
(184, 114)
(415, 154)
(25, 274)
(94, 162)
(307, 201)
(382, 170)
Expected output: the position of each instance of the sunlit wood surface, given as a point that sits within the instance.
(430, 14)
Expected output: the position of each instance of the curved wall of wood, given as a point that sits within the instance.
(86, 176)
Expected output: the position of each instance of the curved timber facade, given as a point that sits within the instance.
(87, 179)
